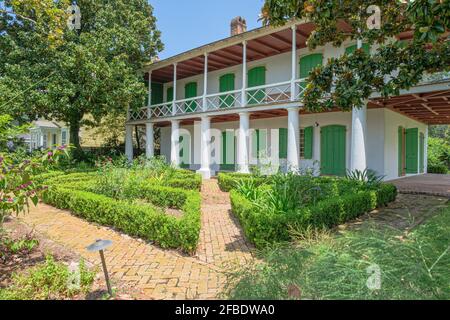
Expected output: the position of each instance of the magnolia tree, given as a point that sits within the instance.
(350, 79)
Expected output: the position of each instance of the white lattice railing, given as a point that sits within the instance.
(224, 100)
(140, 114)
(190, 105)
(161, 110)
(268, 94)
(300, 87)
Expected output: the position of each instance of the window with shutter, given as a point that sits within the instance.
(226, 83)
(256, 77)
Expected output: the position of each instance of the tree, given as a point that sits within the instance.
(350, 79)
(95, 70)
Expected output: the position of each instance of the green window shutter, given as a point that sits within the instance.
(224, 147)
(169, 94)
(333, 150)
(351, 49)
(190, 91)
(282, 143)
(228, 152)
(308, 142)
(146, 95)
(422, 153)
(256, 77)
(226, 83)
(412, 143)
(400, 151)
(307, 64)
(157, 93)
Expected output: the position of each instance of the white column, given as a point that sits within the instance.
(205, 82)
(244, 74)
(243, 138)
(358, 159)
(174, 106)
(149, 143)
(293, 148)
(129, 142)
(294, 62)
(205, 141)
(175, 143)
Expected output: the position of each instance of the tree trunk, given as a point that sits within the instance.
(74, 132)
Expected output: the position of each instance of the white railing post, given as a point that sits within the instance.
(174, 105)
(205, 83)
(294, 62)
(244, 74)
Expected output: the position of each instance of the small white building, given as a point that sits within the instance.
(47, 134)
(237, 102)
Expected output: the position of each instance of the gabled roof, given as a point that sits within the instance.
(46, 124)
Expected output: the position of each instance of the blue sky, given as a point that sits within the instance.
(189, 24)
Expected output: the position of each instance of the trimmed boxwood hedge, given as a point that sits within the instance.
(73, 192)
(262, 227)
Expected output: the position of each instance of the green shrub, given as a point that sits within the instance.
(438, 152)
(437, 168)
(341, 200)
(229, 181)
(135, 219)
(50, 280)
(189, 182)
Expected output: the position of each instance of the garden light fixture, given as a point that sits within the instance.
(101, 245)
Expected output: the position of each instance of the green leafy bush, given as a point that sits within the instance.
(78, 193)
(230, 180)
(437, 168)
(438, 152)
(269, 212)
(50, 280)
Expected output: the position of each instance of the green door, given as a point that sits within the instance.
(422, 153)
(190, 91)
(184, 151)
(256, 77)
(228, 150)
(351, 49)
(332, 150)
(401, 151)
(282, 143)
(226, 83)
(307, 64)
(157, 93)
(169, 94)
(412, 154)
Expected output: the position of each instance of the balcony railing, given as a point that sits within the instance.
(255, 96)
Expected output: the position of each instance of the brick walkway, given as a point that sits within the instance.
(156, 273)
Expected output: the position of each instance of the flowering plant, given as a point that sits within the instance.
(17, 188)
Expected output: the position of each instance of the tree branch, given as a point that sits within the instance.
(18, 15)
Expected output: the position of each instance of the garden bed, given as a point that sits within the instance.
(269, 209)
(138, 202)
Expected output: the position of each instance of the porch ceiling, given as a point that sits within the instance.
(266, 45)
(430, 107)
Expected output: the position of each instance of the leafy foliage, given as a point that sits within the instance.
(438, 152)
(93, 71)
(349, 80)
(368, 176)
(48, 281)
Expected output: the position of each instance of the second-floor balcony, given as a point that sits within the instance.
(270, 94)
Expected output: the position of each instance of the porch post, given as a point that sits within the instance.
(205, 140)
(358, 159)
(129, 141)
(244, 74)
(294, 62)
(244, 125)
(175, 143)
(149, 143)
(205, 83)
(293, 150)
(174, 105)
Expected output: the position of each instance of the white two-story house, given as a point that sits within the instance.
(237, 103)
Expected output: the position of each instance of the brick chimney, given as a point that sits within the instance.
(238, 26)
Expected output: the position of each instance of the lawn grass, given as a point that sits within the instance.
(413, 265)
